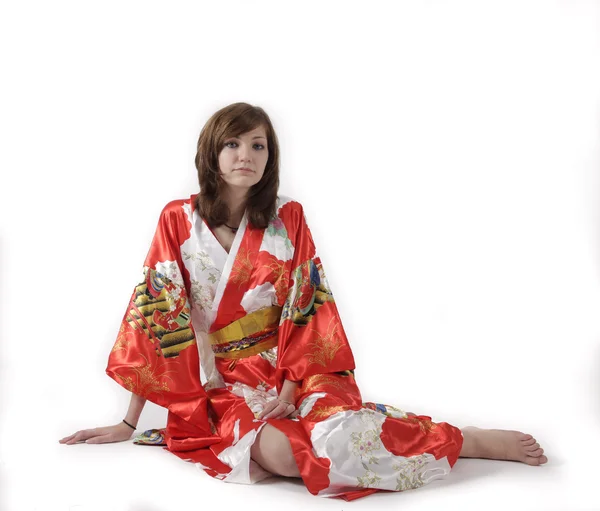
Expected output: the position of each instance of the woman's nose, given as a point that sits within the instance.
(244, 153)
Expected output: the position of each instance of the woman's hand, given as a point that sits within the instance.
(277, 409)
(117, 433)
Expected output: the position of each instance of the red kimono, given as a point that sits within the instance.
(212, 335)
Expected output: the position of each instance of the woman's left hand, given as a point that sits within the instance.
(277, 409)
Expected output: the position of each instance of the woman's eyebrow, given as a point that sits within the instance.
(253, 138)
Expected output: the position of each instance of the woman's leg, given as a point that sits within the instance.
(500, 444)
(273, 452)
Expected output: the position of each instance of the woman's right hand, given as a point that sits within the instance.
(117, 433)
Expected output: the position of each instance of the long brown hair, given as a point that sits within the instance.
(233, 121)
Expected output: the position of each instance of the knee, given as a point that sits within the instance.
(287, 466)
(272, 450)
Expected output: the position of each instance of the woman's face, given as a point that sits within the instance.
(243, 159)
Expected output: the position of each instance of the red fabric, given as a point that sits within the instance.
(416, 435)
(320, 346)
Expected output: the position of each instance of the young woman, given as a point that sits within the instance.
(234, 295)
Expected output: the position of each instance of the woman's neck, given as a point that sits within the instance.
(235, 198)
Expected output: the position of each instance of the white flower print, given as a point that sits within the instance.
(202, 296)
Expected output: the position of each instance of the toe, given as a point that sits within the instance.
(526, 437)
(533, 447)
(529, 441)
(537, 453)
(532, 461)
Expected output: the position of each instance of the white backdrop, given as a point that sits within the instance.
(447, 156)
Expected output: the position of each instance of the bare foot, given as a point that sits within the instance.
(500, 444)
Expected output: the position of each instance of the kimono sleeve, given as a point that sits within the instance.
(155, 354)
(311, 336)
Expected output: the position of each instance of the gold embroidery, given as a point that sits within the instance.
(127, 382)
(122, 341)
(316, 380)
(148, 381)
(277, 268)
(242, 268)
(325, 346)
(281, 283)
(425, 424)
(322, 412)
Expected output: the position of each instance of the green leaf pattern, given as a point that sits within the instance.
(277, 228)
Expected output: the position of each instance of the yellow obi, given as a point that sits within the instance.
(254, 333)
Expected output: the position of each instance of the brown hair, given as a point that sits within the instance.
(232, 121)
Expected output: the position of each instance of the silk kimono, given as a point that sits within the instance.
(211, 336)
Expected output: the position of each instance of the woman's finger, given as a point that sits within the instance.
(287, 410)
(270, 405)
(276, 411)
(269, 414)
(66, 439)
(82, 436)
(73, 439)
(266, 409)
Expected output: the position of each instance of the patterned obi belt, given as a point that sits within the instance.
(254, 333)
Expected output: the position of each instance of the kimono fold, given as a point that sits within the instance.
(212, 336)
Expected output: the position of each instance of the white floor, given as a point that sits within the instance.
(41, 475)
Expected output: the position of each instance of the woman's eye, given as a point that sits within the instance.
(233, 145)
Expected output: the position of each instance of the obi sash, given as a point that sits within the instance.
(254, 333)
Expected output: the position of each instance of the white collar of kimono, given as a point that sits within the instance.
(222, 260)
